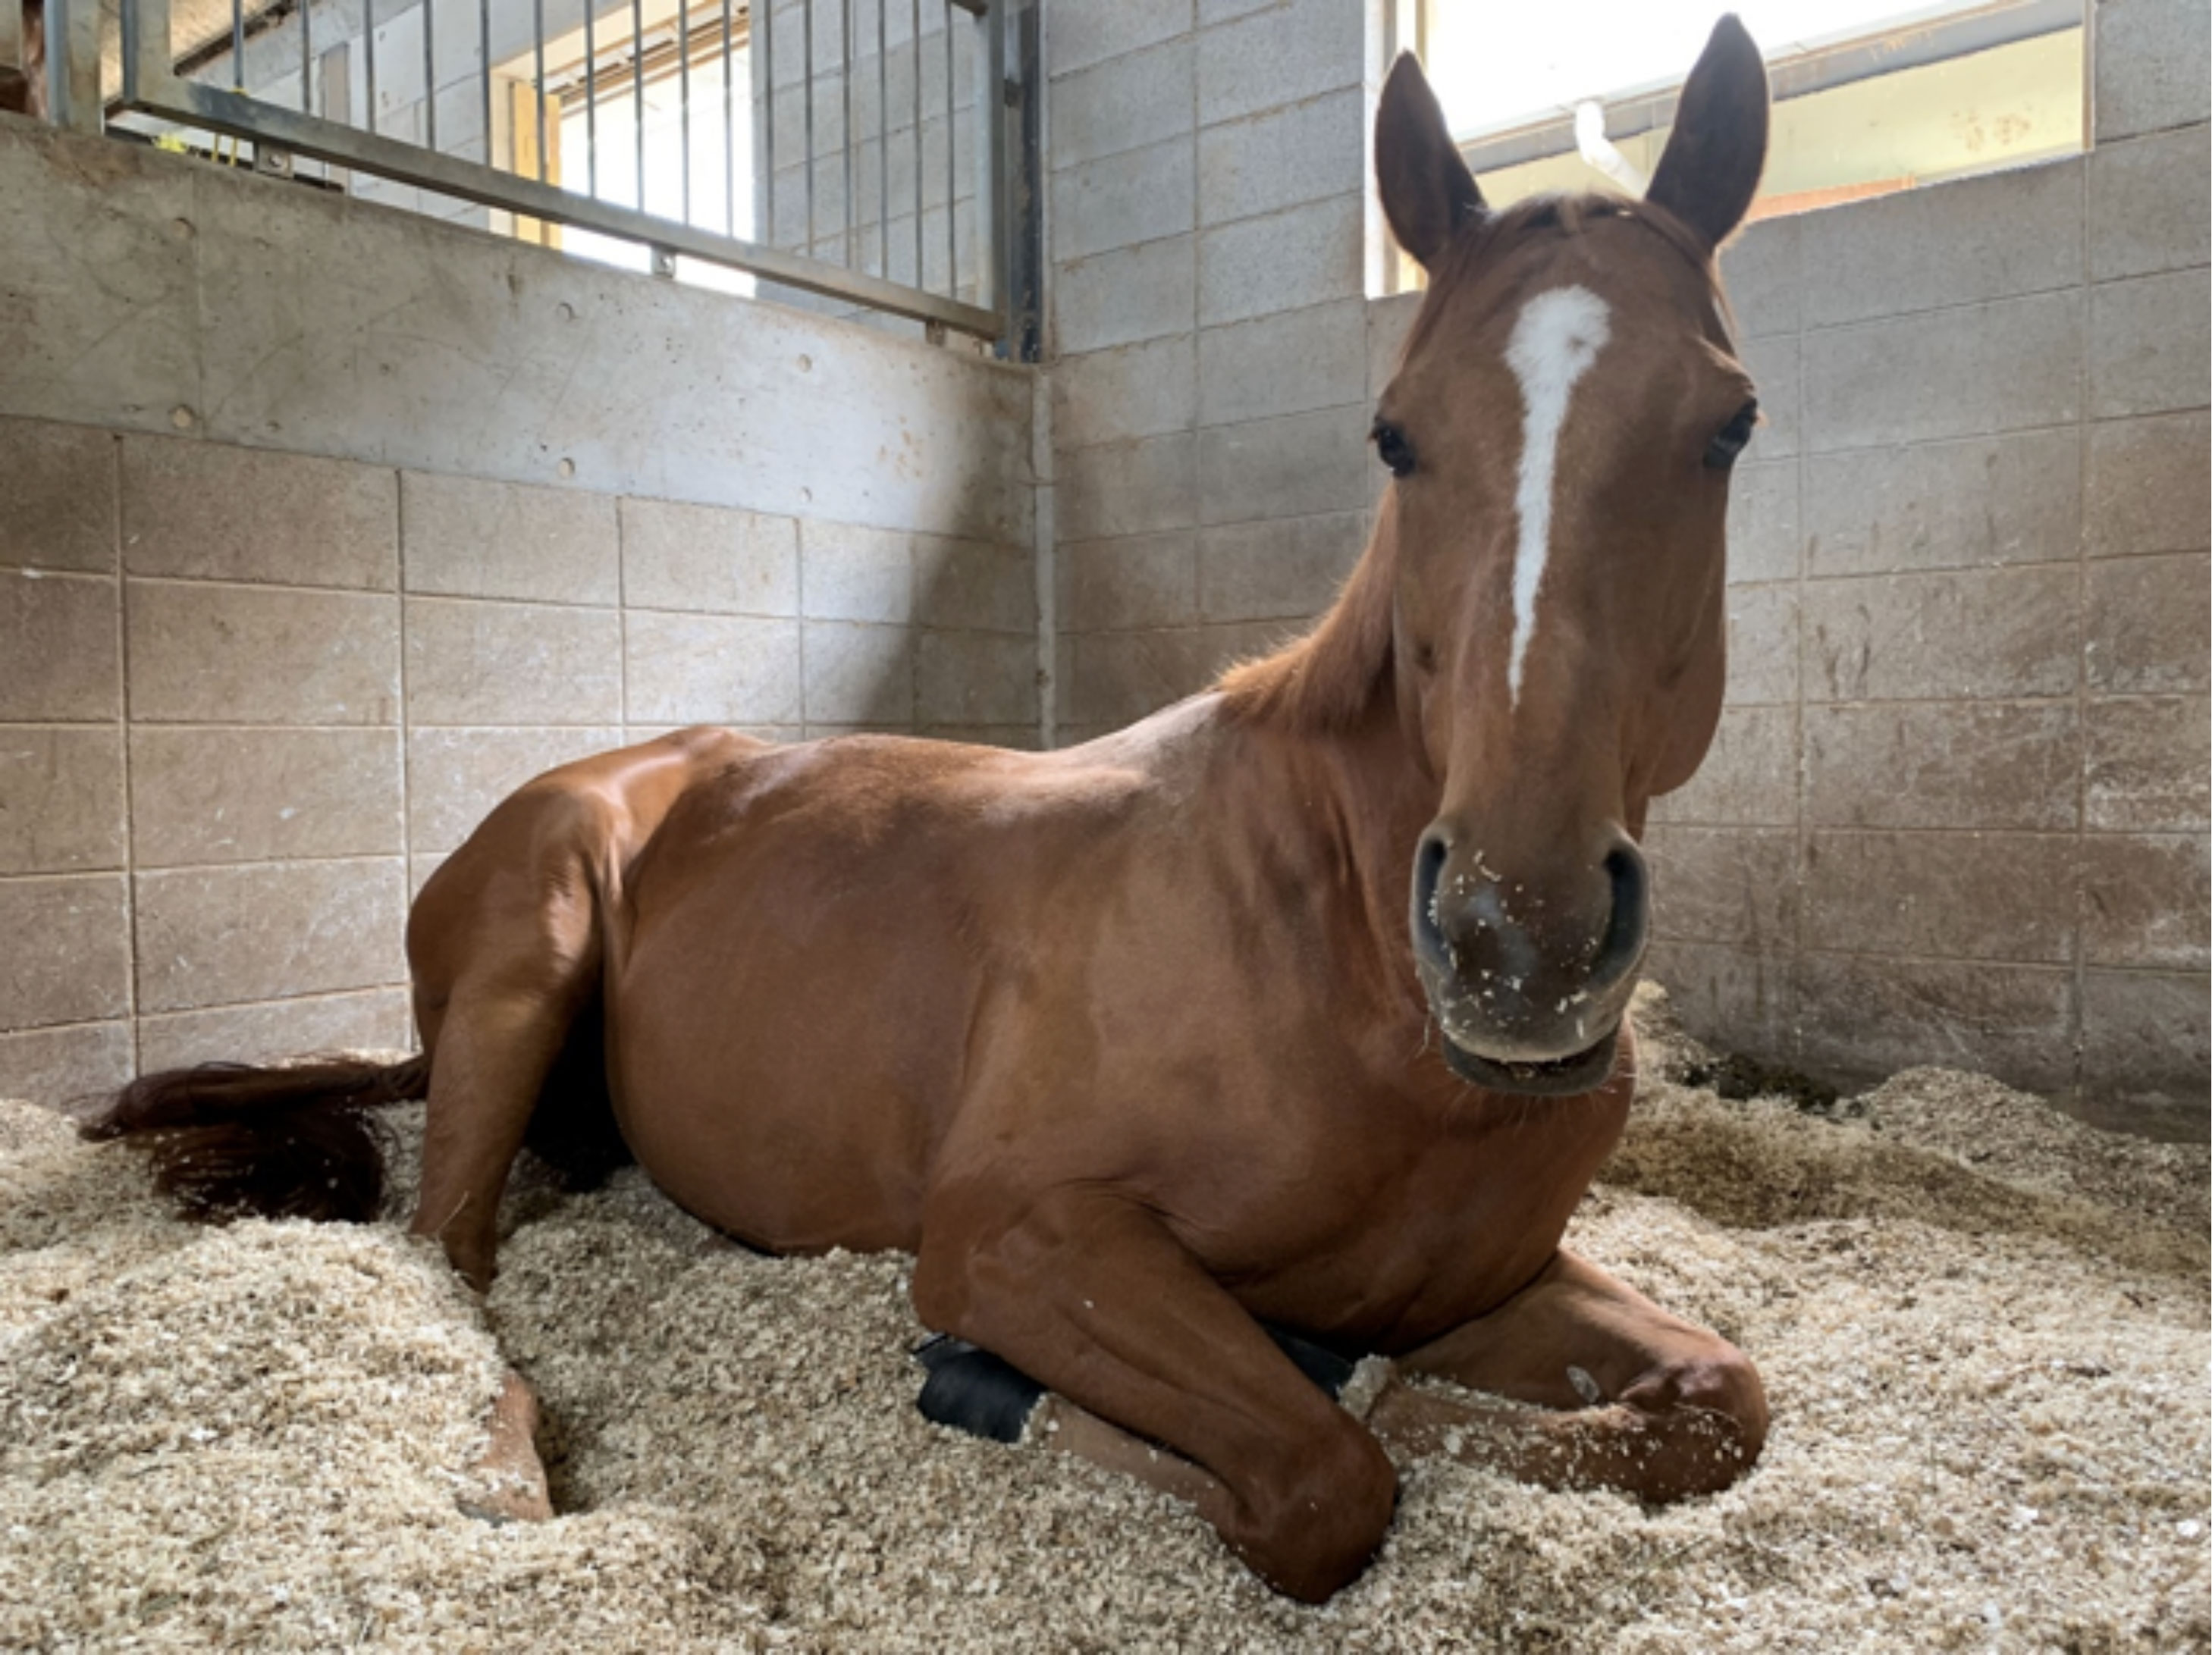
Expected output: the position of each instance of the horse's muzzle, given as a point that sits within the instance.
(1528, 978)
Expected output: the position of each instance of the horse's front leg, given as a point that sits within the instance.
(1091, 1297)
(1641, 1401)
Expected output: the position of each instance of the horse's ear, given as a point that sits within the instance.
(1710, 170)
(1427, 192)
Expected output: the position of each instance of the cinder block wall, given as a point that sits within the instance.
(1957, 807)
(321, 527)
(1957, 810)
(1210, 474)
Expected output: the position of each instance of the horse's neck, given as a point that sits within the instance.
(1348, 805)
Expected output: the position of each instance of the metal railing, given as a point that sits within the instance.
(874, 140)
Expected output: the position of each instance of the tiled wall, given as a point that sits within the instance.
(248, 699)
(1957, 809)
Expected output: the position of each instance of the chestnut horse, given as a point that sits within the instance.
(1139, 1045)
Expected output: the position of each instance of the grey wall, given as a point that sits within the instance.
(322, 526)
(1957, 809)
(1210, 474)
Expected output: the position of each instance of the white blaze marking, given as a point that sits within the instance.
(1557, 336)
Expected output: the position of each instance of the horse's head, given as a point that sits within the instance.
(1560, 431)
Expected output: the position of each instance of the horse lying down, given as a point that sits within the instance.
(1140, 1046)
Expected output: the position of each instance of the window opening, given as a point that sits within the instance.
(1580, 94)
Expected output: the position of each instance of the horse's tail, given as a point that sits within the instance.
(229, 1140)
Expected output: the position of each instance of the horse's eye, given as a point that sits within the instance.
(1392, 448)
(1729, 442)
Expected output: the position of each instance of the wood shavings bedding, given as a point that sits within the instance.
(1982, 1329)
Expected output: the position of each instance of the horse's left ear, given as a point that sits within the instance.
(1710, 170)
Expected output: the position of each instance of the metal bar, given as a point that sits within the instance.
(306, 58)
(217, 109)
(845, 79)
(73, 69)
(238, 44)
(730, 133)
(430, 76)
(991, 160)
(1021, 300)
(369, 50)
(952, 170)
(483, 71)
(146, 47)
(764, 79)
(683, 96)
(637, 92)
(914, 41)
(806, 71)
(537, 83)
(882, 141)
(590, 97)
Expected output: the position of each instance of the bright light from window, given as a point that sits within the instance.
(1496, 67)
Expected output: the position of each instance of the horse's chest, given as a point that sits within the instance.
(1406, 1245)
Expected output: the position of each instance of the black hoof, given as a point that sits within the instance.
(1330, 1372)
(985, 1396)
(972, 1390)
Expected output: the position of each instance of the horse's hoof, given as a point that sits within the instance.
(972, 1390)
(508, 1483)
(1330, 1372)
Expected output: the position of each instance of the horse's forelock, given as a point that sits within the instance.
(1479, 247)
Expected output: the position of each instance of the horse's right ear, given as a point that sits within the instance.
(1428, 194)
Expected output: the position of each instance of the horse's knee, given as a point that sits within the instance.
(1308, 1524)
(1713, 1405)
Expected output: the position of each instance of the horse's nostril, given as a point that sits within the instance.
(1428, 944)
(1632, 909)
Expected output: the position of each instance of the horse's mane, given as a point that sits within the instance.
(1329, 679)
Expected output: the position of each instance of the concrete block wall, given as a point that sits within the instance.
(1957, 809)
(324, 526)
(1210, 477)
(1957, 812)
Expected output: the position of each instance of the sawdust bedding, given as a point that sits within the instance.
(1983, 1328)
